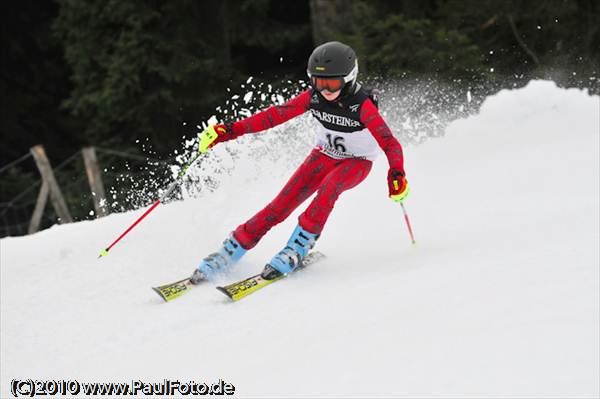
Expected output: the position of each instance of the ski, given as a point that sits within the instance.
(240, 289)
(168, 292)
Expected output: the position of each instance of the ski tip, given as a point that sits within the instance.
(155, 289)
(224, 291)
(168, 292)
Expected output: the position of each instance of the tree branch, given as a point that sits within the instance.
(513, 27)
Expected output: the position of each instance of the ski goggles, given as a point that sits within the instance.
(330, 84)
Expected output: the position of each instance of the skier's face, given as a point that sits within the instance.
(330, 96)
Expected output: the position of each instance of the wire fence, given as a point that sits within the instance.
(15, 162)
(130, 181)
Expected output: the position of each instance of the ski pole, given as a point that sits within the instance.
(162, 198)
(412, 237)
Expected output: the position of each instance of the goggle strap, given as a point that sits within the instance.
(352, 75)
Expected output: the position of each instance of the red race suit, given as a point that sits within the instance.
(350, 135)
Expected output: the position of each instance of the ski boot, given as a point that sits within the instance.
(219, 262)
(290, 257)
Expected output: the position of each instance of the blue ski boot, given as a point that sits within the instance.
(219, 262)
(290, 257)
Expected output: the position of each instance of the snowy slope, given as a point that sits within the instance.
(500, 297)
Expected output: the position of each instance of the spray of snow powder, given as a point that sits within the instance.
(415, 111)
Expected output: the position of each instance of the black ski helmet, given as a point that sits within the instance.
(334, 60)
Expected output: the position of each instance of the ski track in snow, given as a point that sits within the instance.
(499, 298)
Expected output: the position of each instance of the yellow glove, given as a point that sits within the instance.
(397, 185)
(212, 135)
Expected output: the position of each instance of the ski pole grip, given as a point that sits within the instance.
(207, 137)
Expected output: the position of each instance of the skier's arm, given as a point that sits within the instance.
(270, 117)
(397, 184)
(370, 117)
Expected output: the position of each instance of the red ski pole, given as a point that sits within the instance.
(104, 252)
(412, 237)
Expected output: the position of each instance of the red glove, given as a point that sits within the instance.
(397, 185)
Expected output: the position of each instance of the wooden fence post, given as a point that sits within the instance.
(40, 205)
(95, 179)
(56, 197)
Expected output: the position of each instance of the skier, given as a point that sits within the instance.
(346, 145)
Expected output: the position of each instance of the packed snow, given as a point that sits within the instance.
(498, 298)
